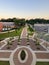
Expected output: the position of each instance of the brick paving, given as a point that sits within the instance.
(5, 54)
(24, 42)
(46, 44)
(1, 43)
(12, 47)
(24, 33)
(34, 46)
(29, 60)
(42, 55)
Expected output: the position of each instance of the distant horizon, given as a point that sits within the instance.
(23, 18)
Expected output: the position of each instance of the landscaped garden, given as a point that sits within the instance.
(13, 43)
(42, 63)
(46, 37)
(4, 63)
(43, 35)
(30, 31)
(40, 35)
(17, 32)
(38, 63)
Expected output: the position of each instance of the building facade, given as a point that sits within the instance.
(6, 25)
(1, 26)
(41, 27)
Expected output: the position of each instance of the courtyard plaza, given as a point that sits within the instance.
(34, 53)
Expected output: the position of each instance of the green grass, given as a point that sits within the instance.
(31, 33)
(42, 63)
(4, 63)
(42, 36)
(46, 38)
(11, 34)
(30, 30)
(38, 63)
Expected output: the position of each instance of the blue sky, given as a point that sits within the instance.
(24, 9)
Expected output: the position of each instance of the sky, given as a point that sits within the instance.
(24, 9)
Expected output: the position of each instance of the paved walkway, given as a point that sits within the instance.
(7, 31)
(5, 53)
(29, 60)
(12, 47)
(24, 33)
(42, 55)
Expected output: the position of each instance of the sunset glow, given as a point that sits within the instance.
(24, 9)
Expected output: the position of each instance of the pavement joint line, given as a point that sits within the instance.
(45, 41)
(44, 46)
(4, 59)
(43, 60)
(41, 51)
(6, 50)
(3, 44)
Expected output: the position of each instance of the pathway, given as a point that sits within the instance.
(12, 53)
(24, 33)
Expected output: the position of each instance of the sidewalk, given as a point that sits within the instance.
(24, 33)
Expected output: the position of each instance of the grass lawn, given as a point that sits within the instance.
(17, 32)
(30, 30)
(4, 63)
(38, 63)
(42, 63)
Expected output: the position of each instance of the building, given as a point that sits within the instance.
(41, 27)
(6, 25)
(1, 26)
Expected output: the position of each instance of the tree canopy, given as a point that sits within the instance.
(23, 21)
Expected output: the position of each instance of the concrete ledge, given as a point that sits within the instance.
(43, 60)
(4, 59)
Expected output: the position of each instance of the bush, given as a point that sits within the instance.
(8, 47)
(38, 48)
(23, 55)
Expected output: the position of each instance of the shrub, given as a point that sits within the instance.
(23, 55)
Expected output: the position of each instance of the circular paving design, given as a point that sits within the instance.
(15, 58)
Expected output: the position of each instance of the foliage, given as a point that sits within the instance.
(4, 63)
(8, 45)
(23, 21)
(17, 32)
(42, 63)
(22, 55)
(30, 29)
(40, 21)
